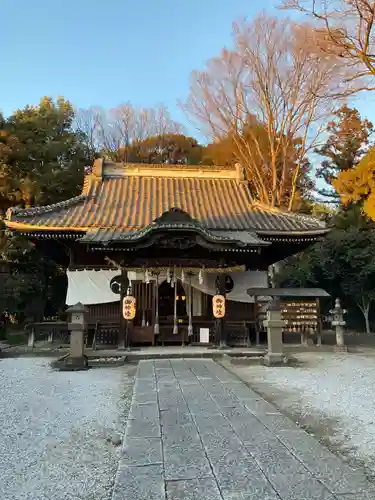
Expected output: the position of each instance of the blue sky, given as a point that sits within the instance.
(109, 52)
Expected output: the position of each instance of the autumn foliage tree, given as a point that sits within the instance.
(268, 94)
(224, 151)
(357, 185)
(348, 141)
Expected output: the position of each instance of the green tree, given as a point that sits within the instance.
(348, 141)
(343, 264)
(42, 159)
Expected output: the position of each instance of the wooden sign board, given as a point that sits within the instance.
(128, 307)
(218, 306)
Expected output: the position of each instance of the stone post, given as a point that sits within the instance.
(339, 324)
(275, 325)
(31, 339)
(76, 359)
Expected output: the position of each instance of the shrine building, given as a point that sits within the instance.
(172, 236)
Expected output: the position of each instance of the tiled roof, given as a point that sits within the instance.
(130, 202)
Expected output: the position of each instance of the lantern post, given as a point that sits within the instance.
(339, 324)
(76, 359)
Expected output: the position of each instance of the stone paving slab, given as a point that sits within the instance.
(196, 432)
(142, 451)
(193, 489)
(338, 476)
(139, 483)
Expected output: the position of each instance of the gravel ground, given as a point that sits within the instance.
(56, 430)
(333, 395)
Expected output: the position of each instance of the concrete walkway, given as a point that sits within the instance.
(195, 432)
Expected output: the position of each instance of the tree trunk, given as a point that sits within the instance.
(365, 308)
(367, 321)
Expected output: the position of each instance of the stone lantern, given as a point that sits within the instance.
(275, 326)
(338, 323)
(76, 359)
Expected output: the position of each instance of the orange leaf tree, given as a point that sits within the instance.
(357, 185)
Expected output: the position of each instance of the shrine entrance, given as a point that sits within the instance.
(173, 312)
(168, 296)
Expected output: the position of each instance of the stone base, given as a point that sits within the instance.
(246, 361)
(223, 345)
(340, 348)
(275, 359)
(73, 364)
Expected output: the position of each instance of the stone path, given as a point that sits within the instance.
(196, 432)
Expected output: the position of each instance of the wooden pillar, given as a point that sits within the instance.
(222, 333)
(319, 326)
(175, 319)
(156, 318)
(143, 302)
(123, 340)
(190, 312)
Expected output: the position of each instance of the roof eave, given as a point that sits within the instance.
(32, 228)
(290, 234)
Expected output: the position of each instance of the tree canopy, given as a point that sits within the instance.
(42, 158)
(165, 148)
(358, 185)
(346, 29)
(343, 264)
(268, 94)
(348, 141)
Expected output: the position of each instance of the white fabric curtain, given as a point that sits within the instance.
(92, 287)
(242, 281)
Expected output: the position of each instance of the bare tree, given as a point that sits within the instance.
(114, 131)
(347, 29)
(127, 125)
(90, 123)
(272, 81)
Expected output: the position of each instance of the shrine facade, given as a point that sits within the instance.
(172, 236)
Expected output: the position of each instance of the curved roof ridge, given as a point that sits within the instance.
(166, 166)
(44, 208)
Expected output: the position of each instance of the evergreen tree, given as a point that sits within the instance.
(348, 141)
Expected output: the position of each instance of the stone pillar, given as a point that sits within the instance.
(338, 323)
(275, 325)
(76, 359)
(304, 340)
(31, 339)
